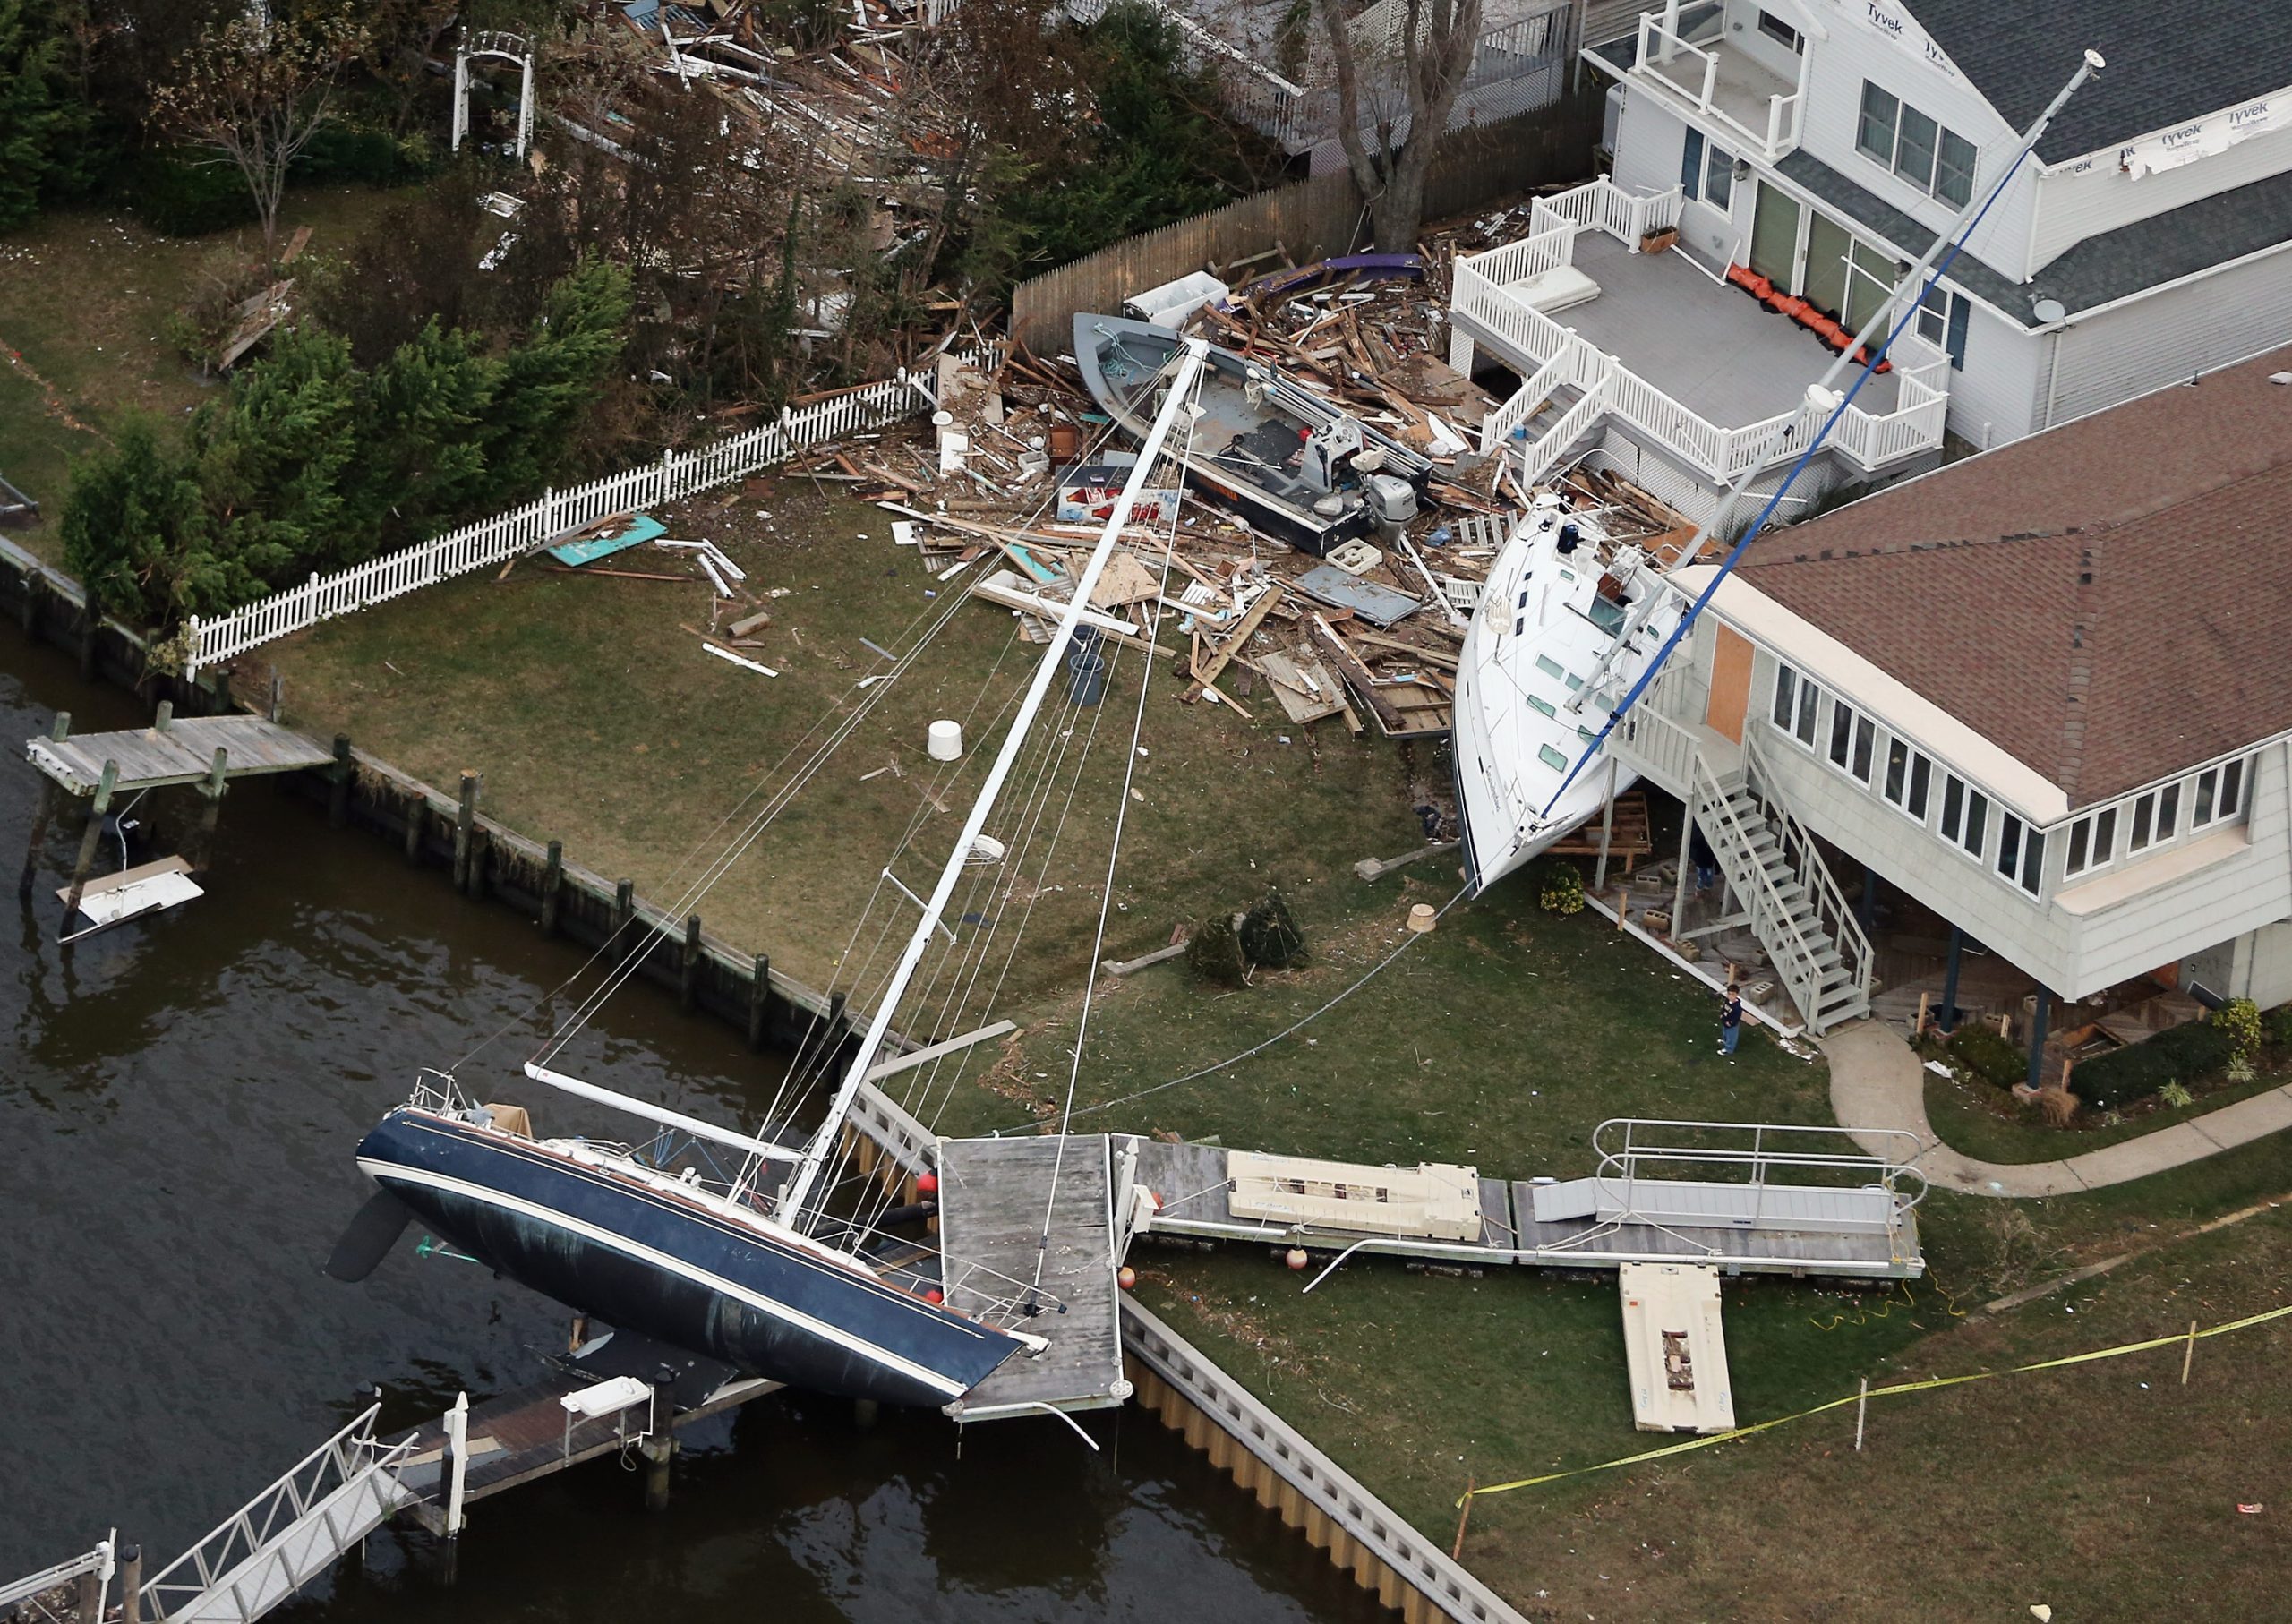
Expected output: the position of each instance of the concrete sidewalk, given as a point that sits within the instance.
(1876, 1080)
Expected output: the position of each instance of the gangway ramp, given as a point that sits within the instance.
(287, 1536)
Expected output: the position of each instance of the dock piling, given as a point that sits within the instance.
(91, 836)
(552, 887)
(417, 814)
(759, 999)
(338, 795)
(624, 905)
(211, 794)
(130, 1585)
(659, 1444)
(88, 1598)
(465, 821)
(689, 971)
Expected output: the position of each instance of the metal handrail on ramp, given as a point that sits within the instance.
(289, 1534)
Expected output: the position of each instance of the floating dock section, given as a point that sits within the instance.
(1032, 1231)
(1674, 1349)
(1784, 1200)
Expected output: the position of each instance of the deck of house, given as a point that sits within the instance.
(1711, 347)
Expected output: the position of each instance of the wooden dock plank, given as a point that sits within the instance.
(993, 1197)
(148, 759)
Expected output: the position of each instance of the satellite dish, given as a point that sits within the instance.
(2048, 310)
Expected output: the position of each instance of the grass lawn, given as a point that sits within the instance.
(1976, 1119)
(84, 296)
(597, 719)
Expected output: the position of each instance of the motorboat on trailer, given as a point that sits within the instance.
(746, 1265)
(1556, 640)
(1283, 459)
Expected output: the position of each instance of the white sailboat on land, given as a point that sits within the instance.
(1556, 641)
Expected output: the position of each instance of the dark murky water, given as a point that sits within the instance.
(177, 1120)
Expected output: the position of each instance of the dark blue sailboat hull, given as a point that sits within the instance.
(654, 1262)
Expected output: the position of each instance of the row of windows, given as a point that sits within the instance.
(1904, 777)
(1908, 780)
(2155, 817)
(1915, 146)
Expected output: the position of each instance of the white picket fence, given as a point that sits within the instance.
(558, 513)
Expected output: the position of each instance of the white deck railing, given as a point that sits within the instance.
(1691, 72)
(1556, 357)
(559, 513)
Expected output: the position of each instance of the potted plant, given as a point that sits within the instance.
(1657, 240)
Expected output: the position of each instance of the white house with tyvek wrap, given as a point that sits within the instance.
(1808, 150)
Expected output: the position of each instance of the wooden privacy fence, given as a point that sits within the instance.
(1308, 219)
(508, 535)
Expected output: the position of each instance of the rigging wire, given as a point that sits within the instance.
(1260, 1048)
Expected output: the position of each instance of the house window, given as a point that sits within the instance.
(2144, 823)
(1865, 747)
(2169, 812)
(1915, 146)
(1965, 813)
(1841, 733)
(2093, 842)
(1795, 700)
(1706, 171)
(1780, 32)
(1942, 316)
(2021, 852)
(2218, 791)
(1907, 778)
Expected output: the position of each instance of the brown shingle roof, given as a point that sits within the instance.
(2108, 600)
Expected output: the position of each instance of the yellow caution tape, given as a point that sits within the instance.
(2177, 1339)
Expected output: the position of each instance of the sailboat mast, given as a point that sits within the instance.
(816, 1155)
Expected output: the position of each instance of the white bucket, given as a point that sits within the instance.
(946, 740)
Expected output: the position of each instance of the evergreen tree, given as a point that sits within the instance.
(271, 462)
(133, 515)
(45, 127)
(421, 463)
(547, 382)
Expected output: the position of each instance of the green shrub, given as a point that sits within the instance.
(1560, 885)
(1271, 936)
(2240, 1019)
(2277, 1025)
(2176, 1095)
(373, 158)
(1981, 1051)
(180, 194)
(2184, 1054)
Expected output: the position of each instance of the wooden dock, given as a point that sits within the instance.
(174, 752)
(520, 1437)
(994, 1195)
(1190, 1184)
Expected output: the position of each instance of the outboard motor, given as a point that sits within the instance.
(1392, 502)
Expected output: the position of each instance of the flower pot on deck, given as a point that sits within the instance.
(1656, 242)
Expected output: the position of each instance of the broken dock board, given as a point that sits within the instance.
(639, 528)
(1674, 1349)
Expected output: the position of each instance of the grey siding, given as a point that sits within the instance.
(2171, 336)
(2267, 972)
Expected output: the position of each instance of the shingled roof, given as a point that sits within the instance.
(2108, 602)
(2169, 61)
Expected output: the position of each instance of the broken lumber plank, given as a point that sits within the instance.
(1377, 867)
(1207, 674)
(1356, 675)
(930, 1051)
(1123, 967)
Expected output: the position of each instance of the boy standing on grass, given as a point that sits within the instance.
(1731, 1023)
